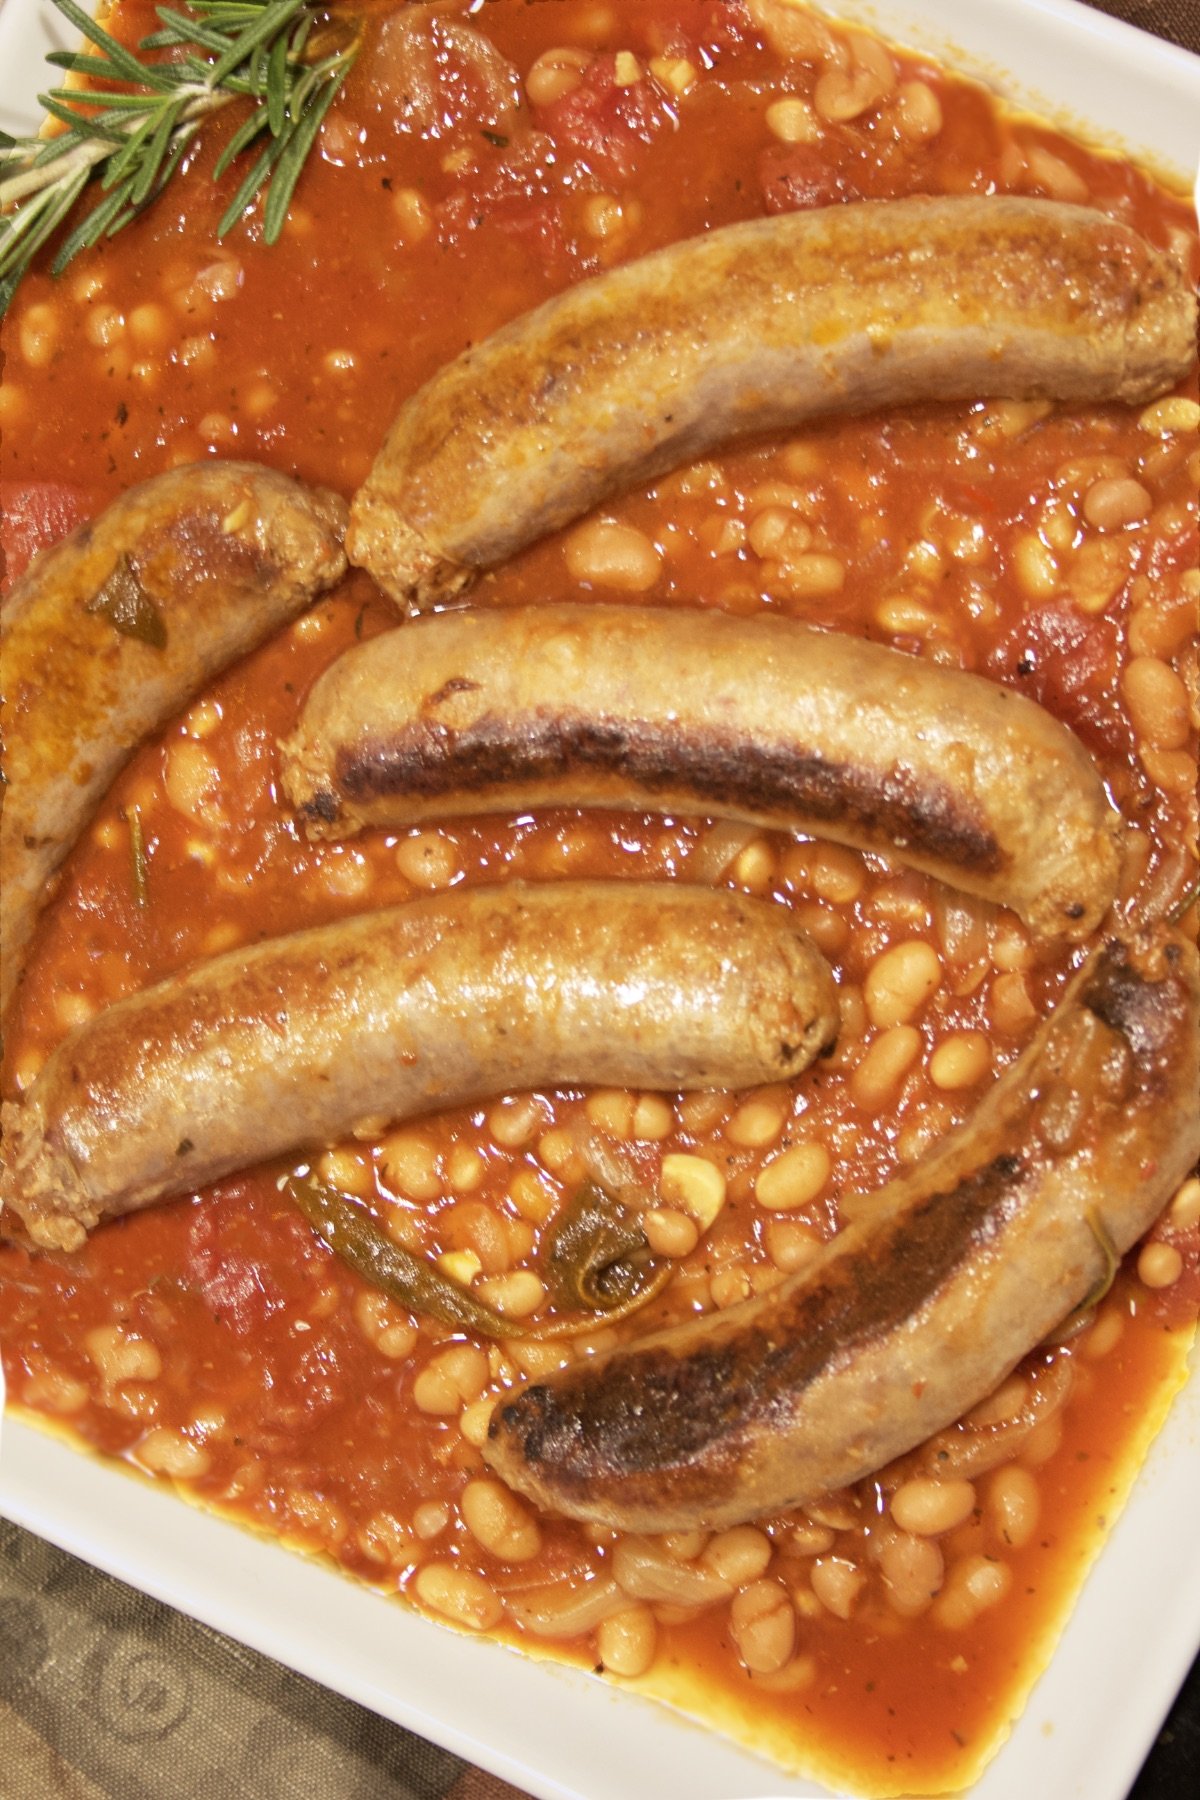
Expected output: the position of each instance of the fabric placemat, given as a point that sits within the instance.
(108, 1695)
(1176, 20)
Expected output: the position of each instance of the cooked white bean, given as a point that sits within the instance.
(626, 1641)
(794, 1177)
(762, 1624)
(927, 1507)
(913, 1570)
(458, 1595)
(609, 554)
(1013, 1505)
(837, 1582)
(499, 1521)
(451, 1380)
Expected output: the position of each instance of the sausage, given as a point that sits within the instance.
(943, 1280)
(756, 328)
(114, 629)
(298, 1040)
(761, 719)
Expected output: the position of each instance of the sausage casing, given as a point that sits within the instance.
(943, 1280)
(679, 710)
(113, 630)
(755, 328)
(295, 1041)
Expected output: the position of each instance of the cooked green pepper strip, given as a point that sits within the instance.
(124, 602)
(596, 1255)
(354, 1236)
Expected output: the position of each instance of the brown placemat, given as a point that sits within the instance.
(107, 1695)
(1176, 20)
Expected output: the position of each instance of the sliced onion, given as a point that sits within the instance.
(963, 926)
(645, 1571)
(439, 75)
(966, 1450)
(562, 1611)
(620, 1168)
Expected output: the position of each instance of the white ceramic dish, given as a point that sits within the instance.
(556, 1733)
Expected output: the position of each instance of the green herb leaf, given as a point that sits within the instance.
(295, 154)
(251, 127)
(146, 182)
(123, 601)
(256, 177)
(123, 62)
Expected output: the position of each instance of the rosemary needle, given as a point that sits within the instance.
(125, 139)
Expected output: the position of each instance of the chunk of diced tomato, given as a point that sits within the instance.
(1066, 661)
(608, 125)
(34, 515)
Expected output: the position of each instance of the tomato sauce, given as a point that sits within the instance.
(216, 1341)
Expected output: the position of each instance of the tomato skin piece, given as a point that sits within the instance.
(848, 165)
(229, 1272)
(514, 197)
(1067, 662)
(34, 515)
(606, 126)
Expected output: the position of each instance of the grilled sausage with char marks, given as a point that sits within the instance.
(925, 1301)
(761, 719)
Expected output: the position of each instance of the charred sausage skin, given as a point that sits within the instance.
(296, 1040)
(932, 1292)
(113, 630)
(761, 719)
(755, 328)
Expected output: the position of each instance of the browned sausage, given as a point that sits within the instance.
(677, 710)
(922, 1304)
(296, 1040)
(114, 629)
(753, 329)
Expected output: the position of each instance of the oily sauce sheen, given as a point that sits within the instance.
(215, 1340)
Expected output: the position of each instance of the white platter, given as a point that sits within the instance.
(559, 1734)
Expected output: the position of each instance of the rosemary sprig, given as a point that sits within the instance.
(127, 138)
